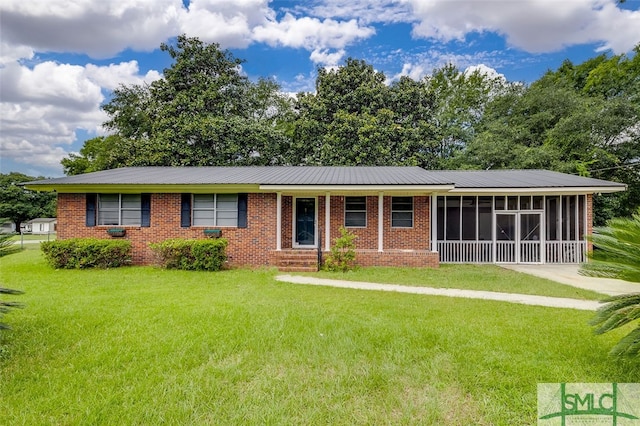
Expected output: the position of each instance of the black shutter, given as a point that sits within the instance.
(242, 210)
(145, 210)
(91, 210)
(185, 211)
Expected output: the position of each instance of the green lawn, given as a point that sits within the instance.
(34, 237)
(469, 277)
(141, 345)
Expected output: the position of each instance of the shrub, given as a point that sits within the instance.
(82, 253)
(191, 255)
(343, 252)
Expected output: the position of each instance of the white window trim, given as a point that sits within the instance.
(120, 210)
(215, 211)
(413, 207)
(366, 219)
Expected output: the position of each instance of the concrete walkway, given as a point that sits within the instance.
(568, 274)
(554, 302)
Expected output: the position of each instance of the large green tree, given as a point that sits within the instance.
(203, 111)
(18, 204)
(579, 119)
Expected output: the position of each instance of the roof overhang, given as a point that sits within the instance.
(234, 188)
(356, 189)
(143, 188)
(538, 191)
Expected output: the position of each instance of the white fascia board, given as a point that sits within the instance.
(538, 191)
(357, 188)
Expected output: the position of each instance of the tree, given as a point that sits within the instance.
(18, 204)
(459, 101)
(617, 255)
(203, 111)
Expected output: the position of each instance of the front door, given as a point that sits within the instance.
(518, 237)
(305, 222)
(506, 237)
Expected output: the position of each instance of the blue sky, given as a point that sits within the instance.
(61, 59)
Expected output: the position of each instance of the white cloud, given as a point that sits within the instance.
(530, 25)
(326, 58)
(228, 23)
(366, 11)
(482, 69)
(311, 33)
(114, 75)
(43, 107)
(97, 28)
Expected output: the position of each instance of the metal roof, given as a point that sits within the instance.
(338, 176)
(269, 175)
(505, 179)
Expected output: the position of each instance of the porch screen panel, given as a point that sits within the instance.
(569, 217)
(453, 218)
(440, 218)
(468, 218)
(485, 222)
(581, 216)
(552, 219)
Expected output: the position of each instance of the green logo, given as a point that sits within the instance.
(589, 403)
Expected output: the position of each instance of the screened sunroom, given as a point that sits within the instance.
(510, 228)
(514, 216)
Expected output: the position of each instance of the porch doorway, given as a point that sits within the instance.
(518, 237)
(305, 230)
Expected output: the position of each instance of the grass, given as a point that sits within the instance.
(141, 345)
(468, 277)
(34, 237)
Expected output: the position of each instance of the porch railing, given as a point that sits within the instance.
(465, 251)
(505, 251)
(566, 251)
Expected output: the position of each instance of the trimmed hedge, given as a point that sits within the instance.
(82, 253)
(191, 255)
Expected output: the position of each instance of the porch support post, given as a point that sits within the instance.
(279, 221)
(380, 221)
(327, 221)
(433, 206)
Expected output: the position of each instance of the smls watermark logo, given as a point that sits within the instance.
(573, 404)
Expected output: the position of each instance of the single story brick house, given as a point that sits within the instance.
(286, 216)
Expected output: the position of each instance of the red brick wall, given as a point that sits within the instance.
(251, 245)
(247, 246)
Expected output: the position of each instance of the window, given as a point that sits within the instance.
(215, 210)
(402, 212)
(119, 209)
(355, 212)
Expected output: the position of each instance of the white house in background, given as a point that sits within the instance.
(41, 225)
(7, 227)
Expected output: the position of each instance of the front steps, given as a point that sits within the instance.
(290, 260)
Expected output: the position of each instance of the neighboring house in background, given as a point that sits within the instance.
(7, 227)
(41, 225)
(284, 216)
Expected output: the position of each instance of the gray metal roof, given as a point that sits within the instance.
(276, 175)
(298, 175)
(519, 179)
